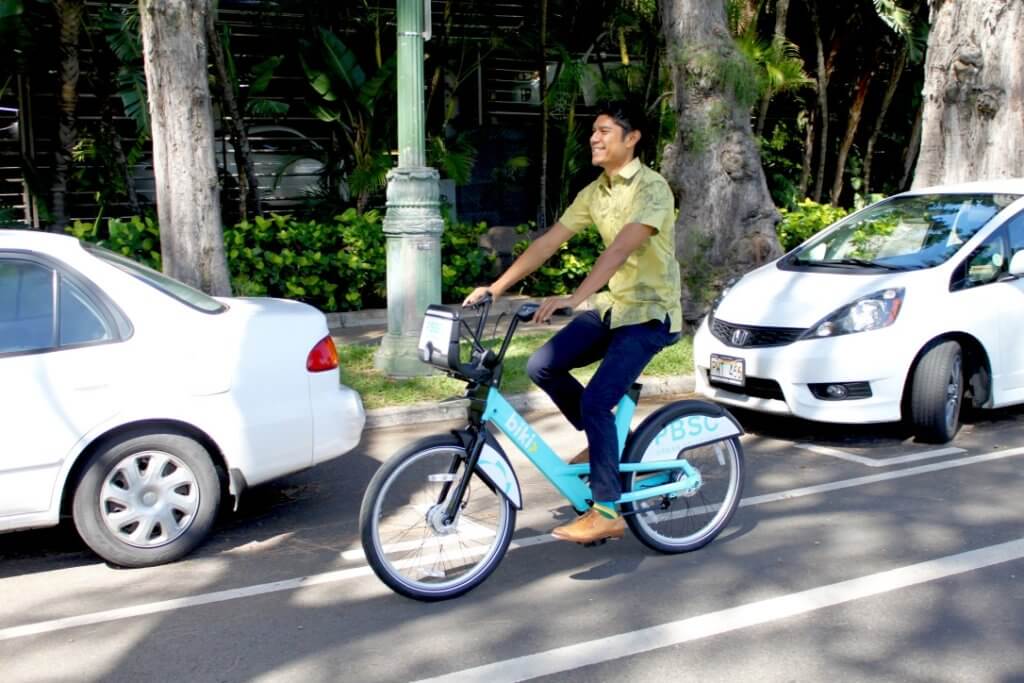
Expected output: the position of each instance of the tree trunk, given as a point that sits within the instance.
(781, 14)
(890, 92)
(808, 158)
(248, 184)
(69, 16)
(861, 94)
(913, 147)
(973, 122)
(822, 89)
(542, 208)
(188, 205)
(726, 223)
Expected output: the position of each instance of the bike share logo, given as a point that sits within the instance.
(687, 432)
(521, 432)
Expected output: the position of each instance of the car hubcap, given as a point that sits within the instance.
(149, 499)
(953, 395)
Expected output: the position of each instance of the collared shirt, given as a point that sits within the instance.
(646, 286)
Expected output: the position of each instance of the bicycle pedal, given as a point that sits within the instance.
(594, 544)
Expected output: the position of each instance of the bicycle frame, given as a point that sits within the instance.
(566, 478)
(439, 346)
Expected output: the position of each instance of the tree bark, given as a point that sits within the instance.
(248, 184)
(726, 223)
(973, 121)
(188, 203)
(69, 17)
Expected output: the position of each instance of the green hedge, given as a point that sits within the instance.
(807, 218)
(339, 266)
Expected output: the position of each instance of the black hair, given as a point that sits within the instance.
(627, 114)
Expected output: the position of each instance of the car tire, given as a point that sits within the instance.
(937, 393)
(147, 499)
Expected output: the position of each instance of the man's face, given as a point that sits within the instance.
(610, 146)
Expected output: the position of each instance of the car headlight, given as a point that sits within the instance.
(872, 312)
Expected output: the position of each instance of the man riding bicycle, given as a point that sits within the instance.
(640, 313)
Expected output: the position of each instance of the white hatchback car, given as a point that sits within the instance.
(133, 402)
(899, 311)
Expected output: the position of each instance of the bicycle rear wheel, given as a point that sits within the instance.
(405, 538)
(689, 520)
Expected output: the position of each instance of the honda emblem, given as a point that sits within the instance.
(740, 337)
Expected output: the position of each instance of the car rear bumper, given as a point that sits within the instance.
(338, 421)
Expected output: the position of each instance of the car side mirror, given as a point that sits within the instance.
(1017, 264)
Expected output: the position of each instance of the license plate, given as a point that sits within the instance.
(727, 369)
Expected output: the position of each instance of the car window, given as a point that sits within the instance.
(168, 285)
(26, 306)
(984, 265)
(81, 322)
(903, 233)
(1015, 228)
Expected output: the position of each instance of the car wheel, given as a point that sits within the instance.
(147, 500)
(937, 393)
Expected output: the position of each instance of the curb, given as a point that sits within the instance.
(536, 400)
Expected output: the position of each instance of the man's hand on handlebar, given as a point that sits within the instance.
(477, 296)
(549, 306)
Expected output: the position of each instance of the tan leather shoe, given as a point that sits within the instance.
(581, 457)
(591, 527)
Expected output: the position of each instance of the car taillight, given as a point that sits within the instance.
(324, 356)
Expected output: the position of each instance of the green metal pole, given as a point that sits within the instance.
(412, 223)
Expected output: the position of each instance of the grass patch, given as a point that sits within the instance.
(379, 391)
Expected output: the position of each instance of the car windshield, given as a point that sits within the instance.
(169, 286)
(903, 233)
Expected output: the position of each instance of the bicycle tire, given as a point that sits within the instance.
(403, 537)
(684, 522)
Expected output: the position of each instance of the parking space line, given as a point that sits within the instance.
(49, 626)
(879, 462)
(572, 657)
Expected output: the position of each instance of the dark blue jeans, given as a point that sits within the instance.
(625, 351)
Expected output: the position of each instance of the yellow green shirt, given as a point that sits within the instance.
(646, 286)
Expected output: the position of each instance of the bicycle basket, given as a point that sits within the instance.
(439, 338)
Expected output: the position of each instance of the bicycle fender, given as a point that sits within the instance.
(702, 423)
(494, 468)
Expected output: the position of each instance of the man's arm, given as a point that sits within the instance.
(630, 238)
(530, 260)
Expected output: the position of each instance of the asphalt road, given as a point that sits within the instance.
(857, 555)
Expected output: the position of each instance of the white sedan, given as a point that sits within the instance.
(133, 402)
(902, 310)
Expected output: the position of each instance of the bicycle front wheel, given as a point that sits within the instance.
(406, 539)
(690, 519)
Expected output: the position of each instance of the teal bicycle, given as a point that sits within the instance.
(438, 516)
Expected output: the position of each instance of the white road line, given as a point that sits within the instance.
(49, 626)
(178, 603)
(744, 616)
(875, 478)
(879, 462)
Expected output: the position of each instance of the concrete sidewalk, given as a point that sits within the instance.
(367, 327)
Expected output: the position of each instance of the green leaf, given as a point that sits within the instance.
(341, 62)
(262, 74)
